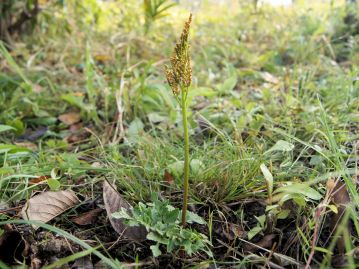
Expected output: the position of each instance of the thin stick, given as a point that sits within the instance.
(119, 131)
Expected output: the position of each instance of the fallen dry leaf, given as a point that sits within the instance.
(48, 205)
(266, 242)
(38, 180)
(76, 127)
(77, 136)
(79, 94)
(87, 218)
(27, 145)
(168, 179)
(113, 203)
(102, 58)
(83, 263)
(12, 247)
(233, 231)
(268, 77)
(70, 118)
(33, 135)
(341, 198)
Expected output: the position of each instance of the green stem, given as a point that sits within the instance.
(186, 155)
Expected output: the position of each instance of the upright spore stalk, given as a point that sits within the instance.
(179, 77)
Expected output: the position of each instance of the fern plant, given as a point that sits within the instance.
(179, 77)
(162, 222)
(154, 10)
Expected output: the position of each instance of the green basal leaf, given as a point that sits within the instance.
(194, 218)
(157, 238)
(121, 215)
(54, 184)
(300, 188)
(281, 145)
(156, 250)
(283, 214)
(269, 179)
(4, 128)
(253, 232)
(261, 220)
(162, 221)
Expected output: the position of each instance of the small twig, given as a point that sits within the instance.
(315, 236)
(17, 208)
(119, 131)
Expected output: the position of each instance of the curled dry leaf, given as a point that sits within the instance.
(48, 205)
(12, 247)
(83, 263)
(266, 242)
(38, 180)
(87, 218)
(33, 135)
(113, 203)
(70, 118)
(28, 145)
(341, 198)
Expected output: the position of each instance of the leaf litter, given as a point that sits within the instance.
(48, 205)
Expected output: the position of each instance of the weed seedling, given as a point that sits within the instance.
(179, 77)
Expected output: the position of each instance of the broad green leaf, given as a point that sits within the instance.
(18, 125)
(54, 184)
(4, 128)
(283, 214)
(269, 179)
(121, 214)
(136, 126)
(156, 250)
(77, 101)
(194, 218)
(271, 207)
(297, 198)
(12, 148)
(173, 215)
(253, 232)
(157, 238)
(176, 168)
(281, 145)
(333, 208)
(261, 220)
(196, 166)
(228, 85)
(300, 188)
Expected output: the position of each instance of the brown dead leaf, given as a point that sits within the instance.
(233, 231)
(113, 203)
(70, 118)
(48, 205)
(168, 178)
(87, 218)
(341, 198)
(37, 88)
(12, 247)
(27, 145)
(266, 242)
(33, 135)
(83, 263)
(38, 180)
(76, 127)
(268, 77)
(77, 136)
(79, 94)
(102, 58)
